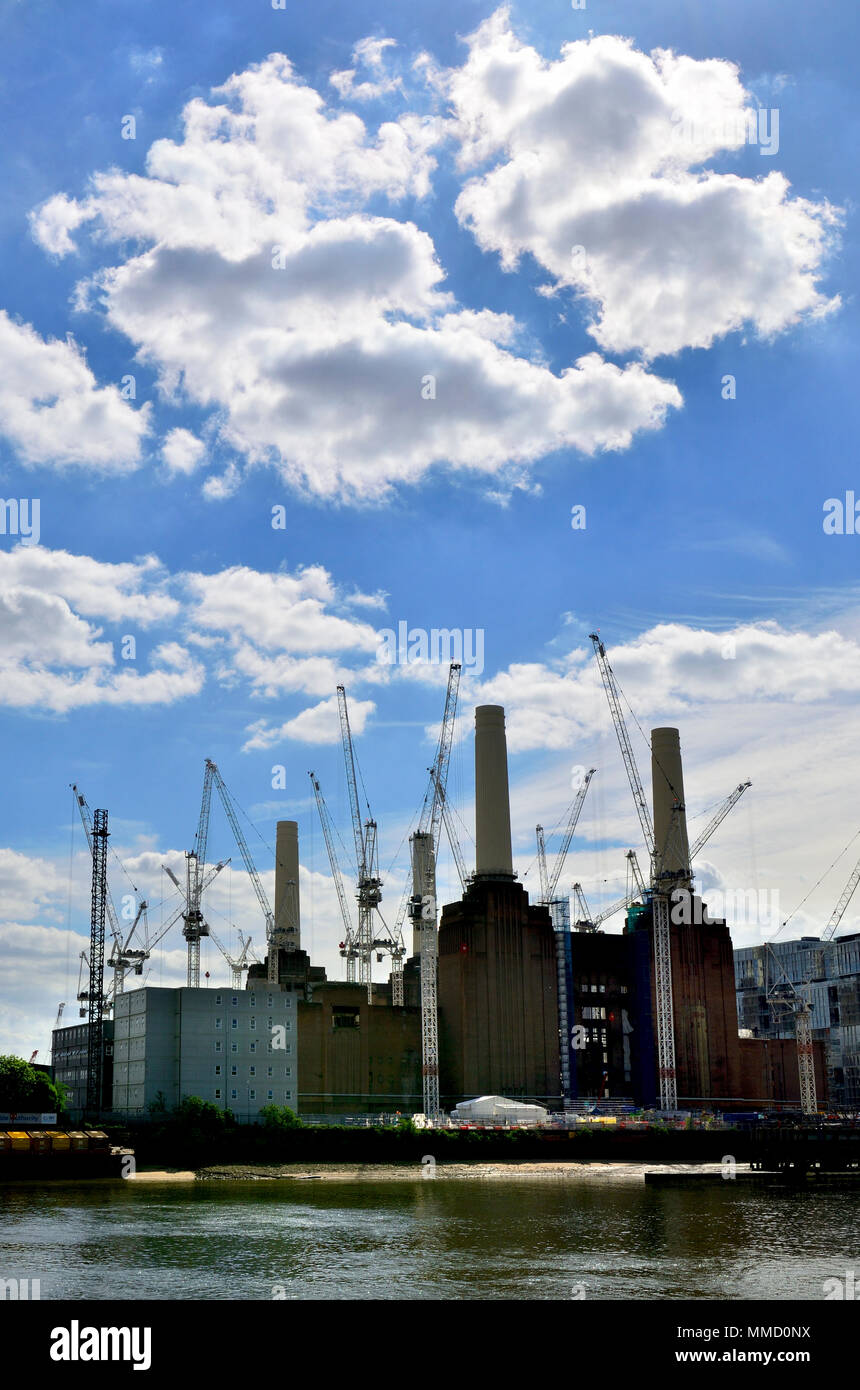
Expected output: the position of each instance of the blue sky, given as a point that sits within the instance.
(408, 254)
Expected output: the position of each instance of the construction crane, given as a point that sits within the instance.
(666, 1071)
(785, 998)
(549, 881)
(718, 818)
(195, 926)
(237, 964)
(280, 932)
(454, 840)
(59, 1015)
(369, 887)
(96, 999)
(582, 912)
(348, 948)
(122, 956)
(560, 914)
(613, 696)
(423, 907)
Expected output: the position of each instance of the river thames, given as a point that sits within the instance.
(466, 1237)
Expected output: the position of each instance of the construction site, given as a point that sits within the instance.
(498, 994)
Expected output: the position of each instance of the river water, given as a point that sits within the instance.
(538, 1237)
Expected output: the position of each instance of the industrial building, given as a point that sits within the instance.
(829, 974)
(497, 991)
(499, 995)
(69, 1053)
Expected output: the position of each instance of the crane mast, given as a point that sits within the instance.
(96, 998)
(195, 869)
(424, 845)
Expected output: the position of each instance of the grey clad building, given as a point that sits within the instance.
(235, 1048)
(831, 972)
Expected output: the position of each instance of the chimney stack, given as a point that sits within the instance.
(287, 881)
(667, 782)
(492, 804)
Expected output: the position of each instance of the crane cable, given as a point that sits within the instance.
(820, 881)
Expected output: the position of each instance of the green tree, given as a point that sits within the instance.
(279, 1117)
(22, 1087)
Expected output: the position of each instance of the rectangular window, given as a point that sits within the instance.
(253, 1047)
(234, 1023)
(234, 1047)
(217, 1071)
(252, 1071)
(253, 1025)
(270, 1095)
(270, 1071)
(217, 1023)
(218, 1046)
(235, 1000)
(217, 1092)
(288, 1071)
(217, 998)
(233, 1094)
(252, 1095)
(234, 1071)
(252, 1000)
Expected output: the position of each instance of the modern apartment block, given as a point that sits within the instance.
(235, 1048)
(830, 971)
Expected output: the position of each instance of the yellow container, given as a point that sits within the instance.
(78, 1141)
(20, 1140)
(60, 1142)
(5, 1142)
(40, 1141)
(98, 1139)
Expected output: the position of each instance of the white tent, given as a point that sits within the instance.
(497, 1110)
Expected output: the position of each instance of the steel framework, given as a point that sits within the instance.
(96, 999)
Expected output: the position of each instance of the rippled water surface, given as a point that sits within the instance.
(469, 1238)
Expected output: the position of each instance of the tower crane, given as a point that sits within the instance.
(369, 888)
(348, 947)
(560, 914)
(195, 926)
(121, 956)
(96, 998)
(237, 964)
(784, 997)
(582, 917)
(278, 933)
(424, 847)
(181, 913)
